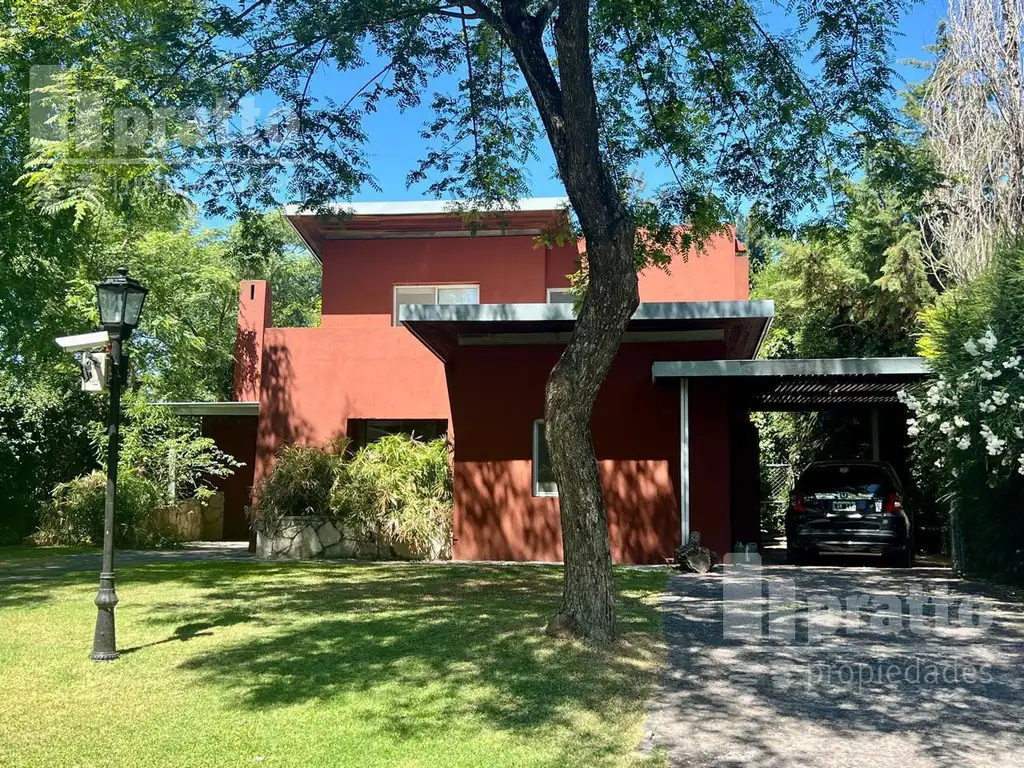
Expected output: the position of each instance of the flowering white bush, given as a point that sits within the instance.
(967, 425)
(976, 417)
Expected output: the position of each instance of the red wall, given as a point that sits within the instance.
(360, 275)
(720, 273)
(315, 379)
(636, 440)
(253, 318)
(235, 435)
(310, 381)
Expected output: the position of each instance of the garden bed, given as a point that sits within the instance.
(312, 537)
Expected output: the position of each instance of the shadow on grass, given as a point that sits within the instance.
(439, 642)
(357, 627)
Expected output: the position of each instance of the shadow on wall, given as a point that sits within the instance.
(498, 518)
(643, 511)
(247, 368)
(283, 410)
(280, 424)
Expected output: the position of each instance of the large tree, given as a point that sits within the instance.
(972, 110)
(728, 105)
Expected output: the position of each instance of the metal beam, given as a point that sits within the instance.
(836, 366)
(684, 459)
(223, 408)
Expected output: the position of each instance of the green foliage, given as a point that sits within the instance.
(44, 440)
(398, 489)
(167, 450)
(74, 516)
(969, 423)
(299, 485)
(712, 92)
(850, 291)
(856, 289)
(67, 218)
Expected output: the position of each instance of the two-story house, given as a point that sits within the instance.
(434, 327)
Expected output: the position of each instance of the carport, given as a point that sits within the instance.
(869, 385)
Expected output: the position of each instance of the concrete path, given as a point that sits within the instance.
(60, 565)
(840, 667)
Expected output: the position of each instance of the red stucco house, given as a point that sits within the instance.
(430, 326)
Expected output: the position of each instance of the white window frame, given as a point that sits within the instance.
(425, 286)
(556, 290)
(535, 463)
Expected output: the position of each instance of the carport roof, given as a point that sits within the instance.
(807, 383)
(741, 325)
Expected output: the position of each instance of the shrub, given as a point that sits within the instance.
(400, 490)
(968, 424)
(74, 515)
(299, 484)
(167, 449)
(44, 440)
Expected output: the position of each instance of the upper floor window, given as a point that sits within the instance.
(434, 294)
(561, 296)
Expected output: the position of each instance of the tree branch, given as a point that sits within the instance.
(544, 13)
(199, 46)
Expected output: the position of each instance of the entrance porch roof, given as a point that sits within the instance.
(740, 325)
(806, 383)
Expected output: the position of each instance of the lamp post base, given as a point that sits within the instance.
(104, 644)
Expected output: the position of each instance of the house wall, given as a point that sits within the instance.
(636, 440)
(311, 381)
(359, 276)
(315, 379)
(720, 273)
(235, 435)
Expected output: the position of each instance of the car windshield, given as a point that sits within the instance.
(848, 481)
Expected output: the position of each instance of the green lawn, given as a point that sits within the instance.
(10, 555)
(237, 664)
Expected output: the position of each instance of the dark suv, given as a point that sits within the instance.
(849, 506)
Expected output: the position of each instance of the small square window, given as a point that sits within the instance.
(543, 475)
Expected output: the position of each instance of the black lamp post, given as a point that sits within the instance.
(120, 299)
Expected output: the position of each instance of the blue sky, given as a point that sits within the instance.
(395, 144)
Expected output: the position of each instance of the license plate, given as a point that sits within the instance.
(844, 506)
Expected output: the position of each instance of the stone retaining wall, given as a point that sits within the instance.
(192, 520)
(310, 538)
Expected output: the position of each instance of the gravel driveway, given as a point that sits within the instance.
(840, 667)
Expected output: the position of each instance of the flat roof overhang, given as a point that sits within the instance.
(422, 218)
(222, 408)
(741, 325)
(807, 383)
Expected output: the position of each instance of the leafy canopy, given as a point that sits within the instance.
(731, 108)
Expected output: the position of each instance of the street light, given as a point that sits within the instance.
(120, 299)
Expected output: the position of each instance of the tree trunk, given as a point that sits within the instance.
(568, 108)
(588, 600)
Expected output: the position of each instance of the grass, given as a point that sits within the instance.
(236, 664)
(11, 555)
